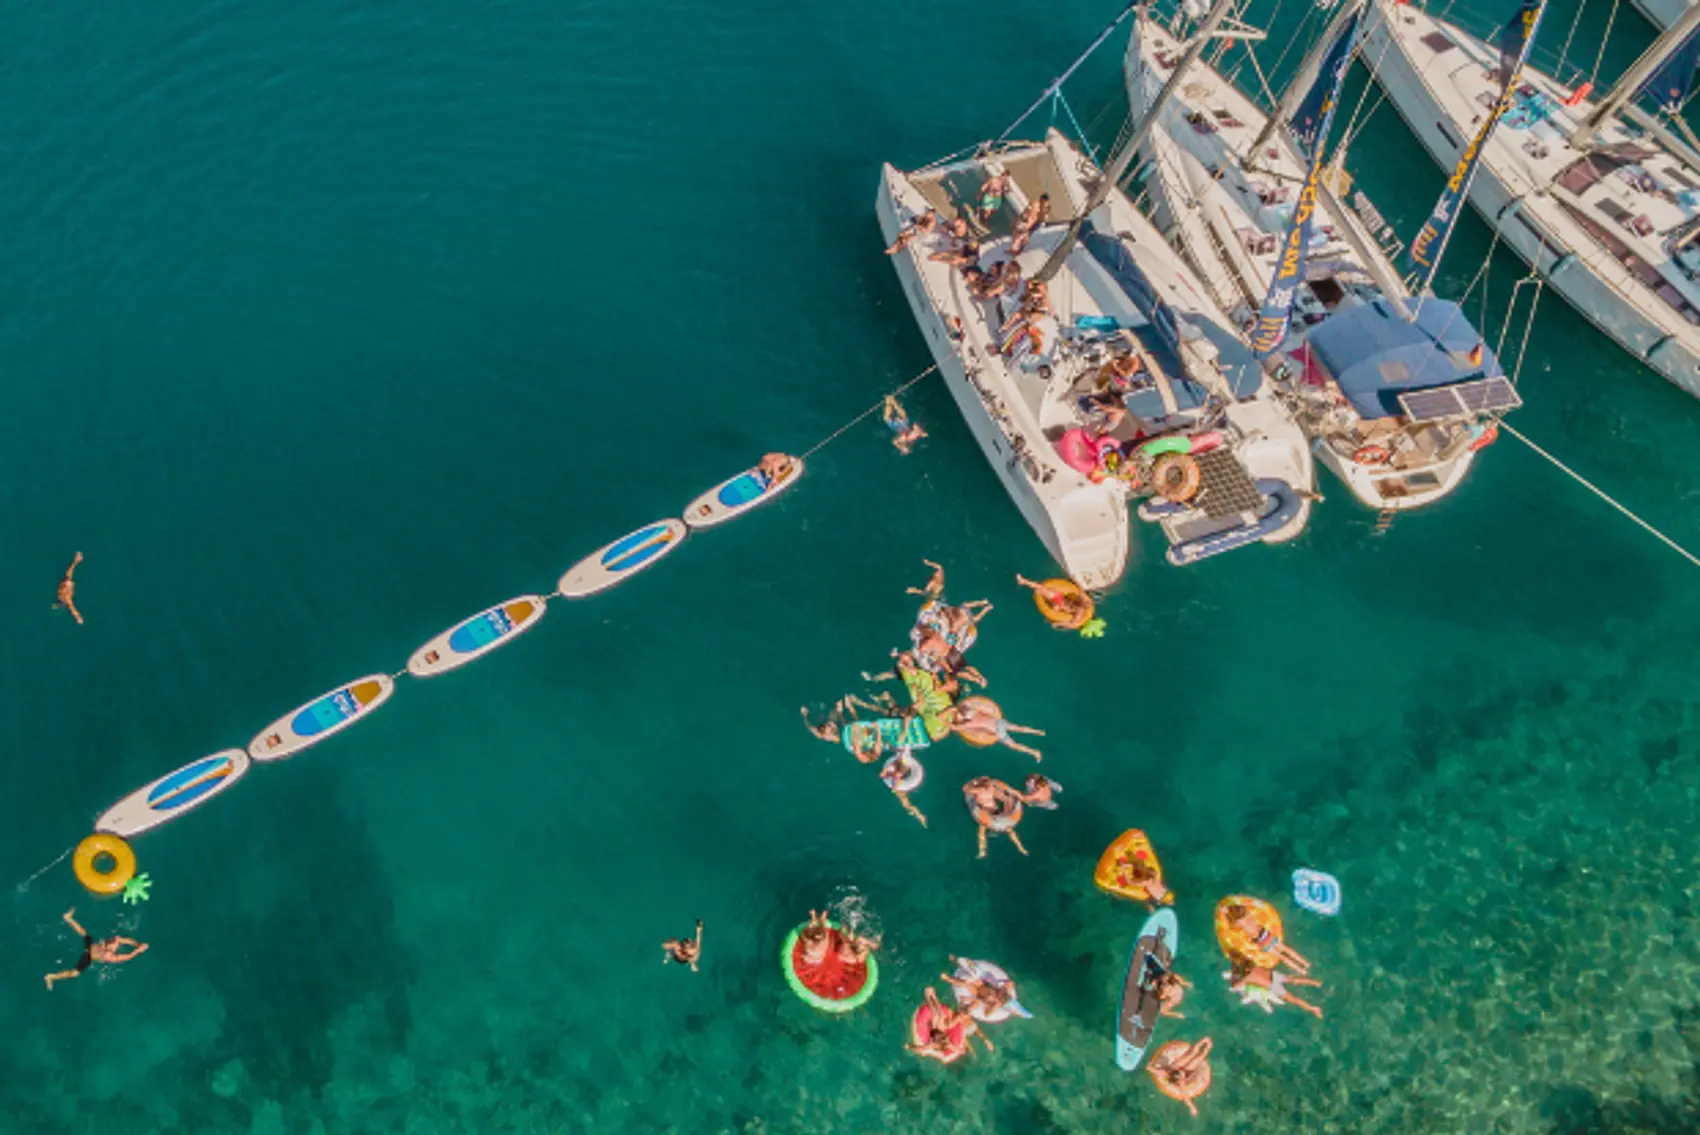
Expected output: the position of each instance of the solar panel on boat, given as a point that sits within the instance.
(1479, 397)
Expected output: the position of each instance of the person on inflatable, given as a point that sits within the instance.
(853, 948)
(996, 807)
(1184, 1074)
(1075, 605)
(1138, 875)
(774, 467)
(982, 993)
(1268, 988)
(949, 1032)
(1264, 939)
(107, 951)
(1040, 791)
(897, 771)
(978, 719)
(816, 939)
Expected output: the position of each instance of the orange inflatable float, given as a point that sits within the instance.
(1242, 944)
(1128, 867)
(981, 735)
(1064, 605)
(1185, 1087)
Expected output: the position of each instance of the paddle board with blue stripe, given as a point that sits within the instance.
(173, 794)
(1153, 955)
(737, 495)
(626, 556)
(322, 717)
(477, 636)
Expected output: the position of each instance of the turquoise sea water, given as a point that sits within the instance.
(331, 324)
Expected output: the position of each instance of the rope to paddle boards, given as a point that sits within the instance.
(1603, 495)
(874, 409)
(63, 855)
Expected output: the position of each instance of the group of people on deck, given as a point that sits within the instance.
(933, 671)
(957, 242)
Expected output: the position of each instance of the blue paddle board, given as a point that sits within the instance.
(173, 794)
(1142, 1005)
(322, 717)
(737, 495)
(626, 556)
(477, 636)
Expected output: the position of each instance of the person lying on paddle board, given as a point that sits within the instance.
(107, 951)
(68, 591)
(775, 467)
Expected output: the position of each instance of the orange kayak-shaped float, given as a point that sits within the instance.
(1242, 944)
(1128, 867)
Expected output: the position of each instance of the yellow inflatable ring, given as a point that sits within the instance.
(1058, 616)
(1240, 945)
(108, 881)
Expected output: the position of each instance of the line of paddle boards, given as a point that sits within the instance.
(329, 714)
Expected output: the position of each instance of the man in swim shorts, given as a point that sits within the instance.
(685, 951)
(68, 590)
(1040, 792)
(992, 192)
(107, 951)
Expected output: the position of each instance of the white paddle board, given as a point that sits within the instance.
(477, 636)
(322, 717)
(626, 556)
(737, 495)
(173, 794)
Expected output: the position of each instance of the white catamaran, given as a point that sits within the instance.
(1601, 197)
(1117, 378)
(1397, 391)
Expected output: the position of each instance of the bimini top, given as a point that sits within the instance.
(1376, 356)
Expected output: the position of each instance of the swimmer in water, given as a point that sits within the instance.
(832, 727)
(775, 467)
(996, 807)
(934, 587)
(107, 951)
(67, 593)
(896, 771)
(1186, 1072)
(685, 951)
(905, 433)
(1040, 792)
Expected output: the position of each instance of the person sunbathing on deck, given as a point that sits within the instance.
(927, 222)
(992, 193)
(1035, 304)
(66, 596)
(107, 951)
(1259, 985)
(965, 254)
(1036, 214)
(905, 433)
(685, 951)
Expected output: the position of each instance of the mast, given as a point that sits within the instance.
(1391, 287)
(1297, 87)
(1629, 84)
(1120, 161)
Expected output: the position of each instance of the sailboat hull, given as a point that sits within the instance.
(1429, 91)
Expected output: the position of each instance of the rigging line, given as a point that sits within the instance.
(1528, 325)
(874, 409)
(1056, 84)
(23, 886)
(1564, 52)
(1604, 39)
(1603, 495)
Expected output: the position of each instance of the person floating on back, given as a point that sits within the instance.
(68, 590)
(107, 951)
(685, 951)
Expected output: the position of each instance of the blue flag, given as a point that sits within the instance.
(1515, 43)
(1310, 123)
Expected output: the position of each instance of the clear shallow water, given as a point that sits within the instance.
(330, 327)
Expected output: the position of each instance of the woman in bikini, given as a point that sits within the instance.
(1036, 214)
(1258, 985)
(107, 951)
(1188, 1072)
(1265, 940)
(977, 718)
(992, 193)
(927, 222)
(996, 807)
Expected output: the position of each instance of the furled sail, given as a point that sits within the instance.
(1310, 122)
(1515, 42)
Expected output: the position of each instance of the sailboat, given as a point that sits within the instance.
(1398, 391)
(1133, 385)
(1600, 196)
